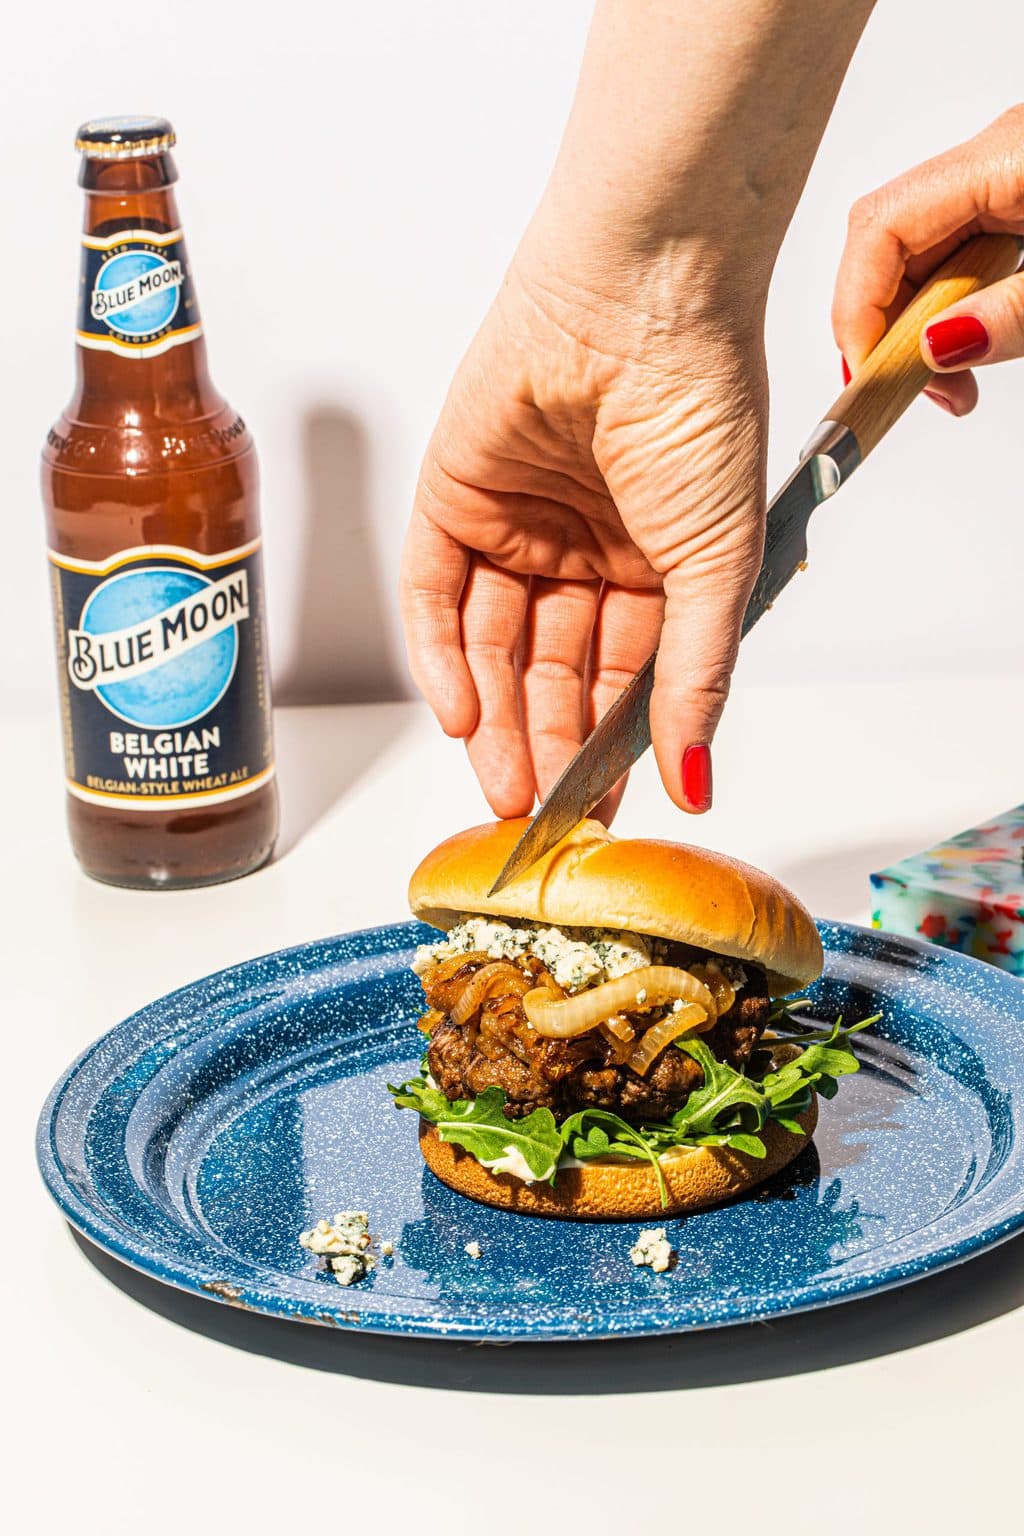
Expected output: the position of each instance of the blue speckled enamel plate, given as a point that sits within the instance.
(198, 1138)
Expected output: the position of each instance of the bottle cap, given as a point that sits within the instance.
(124, 138)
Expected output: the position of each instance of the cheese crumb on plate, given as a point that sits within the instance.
(343, 1242)
(652, 1248)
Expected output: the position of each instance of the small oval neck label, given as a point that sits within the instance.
(135, 293)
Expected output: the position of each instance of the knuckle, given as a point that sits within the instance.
(715, 691)
(719, 582)
(434, 486)
(1013, 300)
(490, 654)
(1009, 125)
(865, 214)
(612, 679)
(562, 738)
(549, 670)
(707, 697)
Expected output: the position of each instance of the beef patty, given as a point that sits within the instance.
(497, 1048)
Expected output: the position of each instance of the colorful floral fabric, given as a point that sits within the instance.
(967, 893)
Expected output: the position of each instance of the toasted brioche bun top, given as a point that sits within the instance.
(592, 879)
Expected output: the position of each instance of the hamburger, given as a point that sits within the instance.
(602, 1040)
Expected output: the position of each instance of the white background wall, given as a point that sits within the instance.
(353, 180)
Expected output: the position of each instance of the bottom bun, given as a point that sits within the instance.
(695, 1178)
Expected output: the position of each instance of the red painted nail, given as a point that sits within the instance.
(847, 375)
(961, 339)
(697, 777)
(939, 399)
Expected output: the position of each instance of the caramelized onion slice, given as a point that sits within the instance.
(429, 1021)
(685, 1021)
(718, 984)
(619, 1037)
(561, 1020)
(548, 982)
(444, 970)
(497, 975)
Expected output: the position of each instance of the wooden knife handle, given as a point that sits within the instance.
(895, 372)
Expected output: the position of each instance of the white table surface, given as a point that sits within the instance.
(134, 1408)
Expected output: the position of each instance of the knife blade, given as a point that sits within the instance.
(889, 381)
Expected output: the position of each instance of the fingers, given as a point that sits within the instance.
(956, 393)
(700, 638)
(559, 633)
(924, 211)
(986, 328)
(494, 608)
(905, 229)
(627, 631)
(434, 570)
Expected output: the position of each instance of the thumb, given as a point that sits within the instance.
(704, 607)
(986, 328)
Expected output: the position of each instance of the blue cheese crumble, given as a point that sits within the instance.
(343, 1242)
(576, 957)
(653, 1249)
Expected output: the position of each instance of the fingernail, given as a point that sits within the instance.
(960, 339)
(847, 375)
(697, 777)
(939, 399)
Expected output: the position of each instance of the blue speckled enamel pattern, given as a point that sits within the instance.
(198, 1138)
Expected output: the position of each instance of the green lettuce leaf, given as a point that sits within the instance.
(825, 1056)
(730, 1109)
(728, 1098)
(480, 1126)
(600, 1132)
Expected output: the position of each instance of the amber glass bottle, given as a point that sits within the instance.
(151, 494)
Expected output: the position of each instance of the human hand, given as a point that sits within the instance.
(899, 234)
(595, 482)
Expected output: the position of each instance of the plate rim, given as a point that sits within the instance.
(560, 1324)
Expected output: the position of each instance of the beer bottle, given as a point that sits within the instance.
(150, 488)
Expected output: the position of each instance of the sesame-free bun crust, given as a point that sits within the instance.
(592, 879)
(603, 1190)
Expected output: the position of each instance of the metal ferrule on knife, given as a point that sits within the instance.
(836, 453)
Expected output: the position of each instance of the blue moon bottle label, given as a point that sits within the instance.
(163, 676)
(135, 294)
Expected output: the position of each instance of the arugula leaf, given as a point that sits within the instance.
(481, 1127)
(792, 1126)
(802, 1033)
(753, 1146)
(823, 1058)
(730, 1109)
(725, 1092)
(608, 1134)
(782, 1009)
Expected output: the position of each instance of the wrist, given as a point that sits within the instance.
(690, 136)
(661, 283)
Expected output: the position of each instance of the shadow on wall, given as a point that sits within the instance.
(342, 652)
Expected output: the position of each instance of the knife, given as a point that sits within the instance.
(890, 379)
